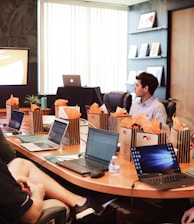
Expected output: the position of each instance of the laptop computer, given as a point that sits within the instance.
(71, 80)
(101, 145)
(157, 166)
(54, 138)
(14, 124)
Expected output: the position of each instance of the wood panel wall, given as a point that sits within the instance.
(182, 64)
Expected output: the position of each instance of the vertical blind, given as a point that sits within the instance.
(82, 39)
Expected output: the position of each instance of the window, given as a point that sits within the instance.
(82, 38)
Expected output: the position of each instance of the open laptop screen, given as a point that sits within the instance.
(155, 160)
(57, 131)
(16, 119)
(101, 144)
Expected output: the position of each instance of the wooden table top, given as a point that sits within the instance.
(118, 185)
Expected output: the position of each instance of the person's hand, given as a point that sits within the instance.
(31, 188)
(188, 216)
(24, 183)
(37, 189)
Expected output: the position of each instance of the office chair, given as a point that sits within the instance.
(115, 99)
(53, 210)
(56, 213)
(170, 106)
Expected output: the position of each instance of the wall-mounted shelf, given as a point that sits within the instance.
(148, 57)
(140, 60)
(149, 30)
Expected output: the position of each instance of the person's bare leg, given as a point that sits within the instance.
(22, 167)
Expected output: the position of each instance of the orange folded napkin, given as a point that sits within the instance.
(119, 112)
(95, 109)
(177, 124)
(142, 122)
(34, 107)
(152, 126)
(72, 113)
(127, 122)
(61, 102)
(12, 101)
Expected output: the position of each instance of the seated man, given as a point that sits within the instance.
(24, 186)
(145, 87)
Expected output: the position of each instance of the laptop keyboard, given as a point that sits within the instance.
(170, 179)
(43, 145)
(75, 167)
(8, 129)
(90, 164)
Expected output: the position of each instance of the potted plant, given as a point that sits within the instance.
(32, 99)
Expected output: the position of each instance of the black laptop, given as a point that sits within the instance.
(100, 147)
(157, 166)
(15, 123)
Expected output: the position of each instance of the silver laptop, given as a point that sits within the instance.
(157, 166)
(100, 147)
(54, 139)
(71, 80)
(14, 124)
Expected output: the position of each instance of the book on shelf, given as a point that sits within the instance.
(155, 49)
(132, 51)
(131, 77)
(144, 50)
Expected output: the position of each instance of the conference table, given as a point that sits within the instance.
(125, 184)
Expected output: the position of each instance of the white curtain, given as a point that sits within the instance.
(82, 39)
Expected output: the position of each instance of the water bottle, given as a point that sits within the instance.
(114, 167)
(44, 102)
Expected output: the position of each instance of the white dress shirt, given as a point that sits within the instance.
(152, 108)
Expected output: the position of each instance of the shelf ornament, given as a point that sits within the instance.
(147, 20)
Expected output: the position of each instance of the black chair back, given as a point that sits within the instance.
(115, 99)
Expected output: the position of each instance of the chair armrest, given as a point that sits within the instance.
(54, 209)
(57, 213)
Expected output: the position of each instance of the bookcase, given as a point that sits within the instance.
(151, 48)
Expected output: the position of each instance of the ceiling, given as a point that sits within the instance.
(118, 2)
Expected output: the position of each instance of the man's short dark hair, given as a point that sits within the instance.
(149, 80)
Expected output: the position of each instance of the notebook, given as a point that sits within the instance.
(157, 166)
(14, 123)
(101, 145)
(71, 80)
(54, 138)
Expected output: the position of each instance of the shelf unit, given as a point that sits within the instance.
(149, 30)
(139, 37)
(157, 33)
(147, 57)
